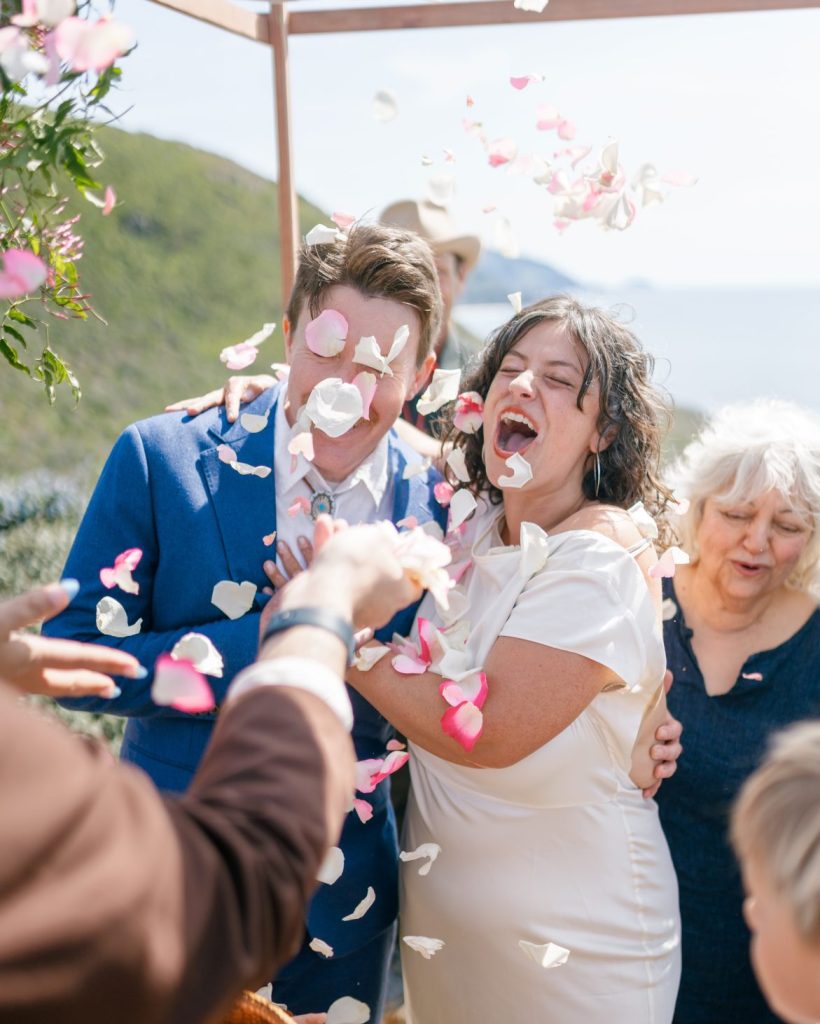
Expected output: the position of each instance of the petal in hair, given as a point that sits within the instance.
(468, 416)
(515, 301)
(443, 493)
(321, 234)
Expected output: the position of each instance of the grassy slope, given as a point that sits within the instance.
(186, 264)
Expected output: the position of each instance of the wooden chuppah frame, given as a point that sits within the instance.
(284, 19)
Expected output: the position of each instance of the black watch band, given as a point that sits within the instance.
(319, 618)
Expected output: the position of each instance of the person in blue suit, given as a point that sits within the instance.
(172, 489)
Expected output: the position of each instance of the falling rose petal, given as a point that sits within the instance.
(489, 208)
(522, 81)
(449, 156)
(534, 550)
(280, 370)
(754, 677)
(302, 444)
(415, 469)
(472, 686)
(238, 357)
(443, 493)
(424, 559)
(363, 809)
(385, 106)
(427, 852)
(22, 273)
(469, 411)
(110, 201)
(426, 161)
(362, 907)
(112, 619)
(515, 301)
(441, 189)
(366, 657)
(395, 760)
(321, 234)
(469, 102)
(244, 469)
(408, 523)
(366, 383)
(546, 955)
(547, 117)
(225, 453)
(334, 407)
(410, 665)
(200, 652)
(423, 944)
(342, 220)
(668, 609)
(396, 745)
(567, 130)
(233, 599)
(252, 423)
(666, 564)
(332, 866)
(678, 506)
(177, 684)
(269, 538)
(457, 462)
(520, 472)
(530, 5)
(443, 389)
(300, 507)
(365, 770)
(462, 504)
(647, 527)
(368, 353)
(321, 947)
(464, 723)
(348, 1010)
(326, 334)
(119, 575)
(92, 46)
(501, 151)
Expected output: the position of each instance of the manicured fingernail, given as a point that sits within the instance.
(302, 542)
(281, 547)
(114, 692)
(70, 587)
(140, 672)
(268, 566)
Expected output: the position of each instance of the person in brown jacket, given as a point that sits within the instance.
(119, 905)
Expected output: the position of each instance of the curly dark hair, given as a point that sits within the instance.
(633, 412)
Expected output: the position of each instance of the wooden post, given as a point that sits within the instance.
(288, 221)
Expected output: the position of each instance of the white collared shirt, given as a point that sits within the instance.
(366, 496)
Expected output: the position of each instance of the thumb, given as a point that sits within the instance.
(668, 679)
(36, 605)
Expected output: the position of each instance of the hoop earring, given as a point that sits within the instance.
(596, 473)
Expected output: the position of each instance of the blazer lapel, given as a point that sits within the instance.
(244, 506)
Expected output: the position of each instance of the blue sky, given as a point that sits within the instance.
(731, 98)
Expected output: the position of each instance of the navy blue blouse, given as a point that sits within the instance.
(724, 739)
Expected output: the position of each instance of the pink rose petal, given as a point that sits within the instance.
(92, 46)
(301, 505)
(667, 563)
(408, 665)
(408, 523)
(22, 273)
(396, 745)
(755, 677)
(470, 687)
(567, 130)
(119, 575)
(501, 151)
(547, 117)
(464, 723)
(269, 538)
(522, 81)
(110, 201)
(469, 411)
(177, 684)
(443, 493)
(239, 357)
(226, 453)
(342, 220)
(364, 810)
(302, 444)
(470, 102)
(325, 336)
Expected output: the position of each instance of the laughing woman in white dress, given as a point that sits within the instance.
(553, 898)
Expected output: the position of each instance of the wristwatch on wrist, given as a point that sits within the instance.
(318, 618)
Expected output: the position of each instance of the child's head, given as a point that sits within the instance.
(776, 835)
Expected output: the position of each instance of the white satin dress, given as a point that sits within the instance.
(561, 847)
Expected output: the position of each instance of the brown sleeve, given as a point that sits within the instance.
(115, 905)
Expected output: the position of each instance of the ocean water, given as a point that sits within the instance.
(712, 347)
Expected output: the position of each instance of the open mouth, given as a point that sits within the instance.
(515, 433)
(749, 568)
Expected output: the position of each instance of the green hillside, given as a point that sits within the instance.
(186, 263)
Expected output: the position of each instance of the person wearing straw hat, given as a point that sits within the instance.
(455, 256)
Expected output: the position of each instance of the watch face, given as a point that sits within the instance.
(321, 504)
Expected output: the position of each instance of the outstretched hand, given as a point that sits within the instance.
(236, 391)
(56, 668)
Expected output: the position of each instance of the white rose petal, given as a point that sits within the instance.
(362, 907)
(534, 550)
(112, 619)
(334, 407)
(320, 946)
(458, 463)
(462, 504)
(385, 108)
(520, 472)
(198, 649)
(253, 423)
(321, 234)
(366, 657)
(424, 945)
(332, 866)
(515, 301)
(443, 389)
(234, 599)
(427, 851)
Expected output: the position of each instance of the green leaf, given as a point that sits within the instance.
(19, 317)
(11, 356)
(15, 334)
(53, 371)
(75, 165)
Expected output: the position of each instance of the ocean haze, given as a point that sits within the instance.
(712, 346)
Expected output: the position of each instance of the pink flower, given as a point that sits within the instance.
(443, 492)
(22, 273)
(469, 411)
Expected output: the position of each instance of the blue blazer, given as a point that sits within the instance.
(163, 489)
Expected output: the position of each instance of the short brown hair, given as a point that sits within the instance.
(631, 408)
(776, 823)
(378, 261)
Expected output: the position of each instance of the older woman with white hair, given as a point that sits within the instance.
(742, 636)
